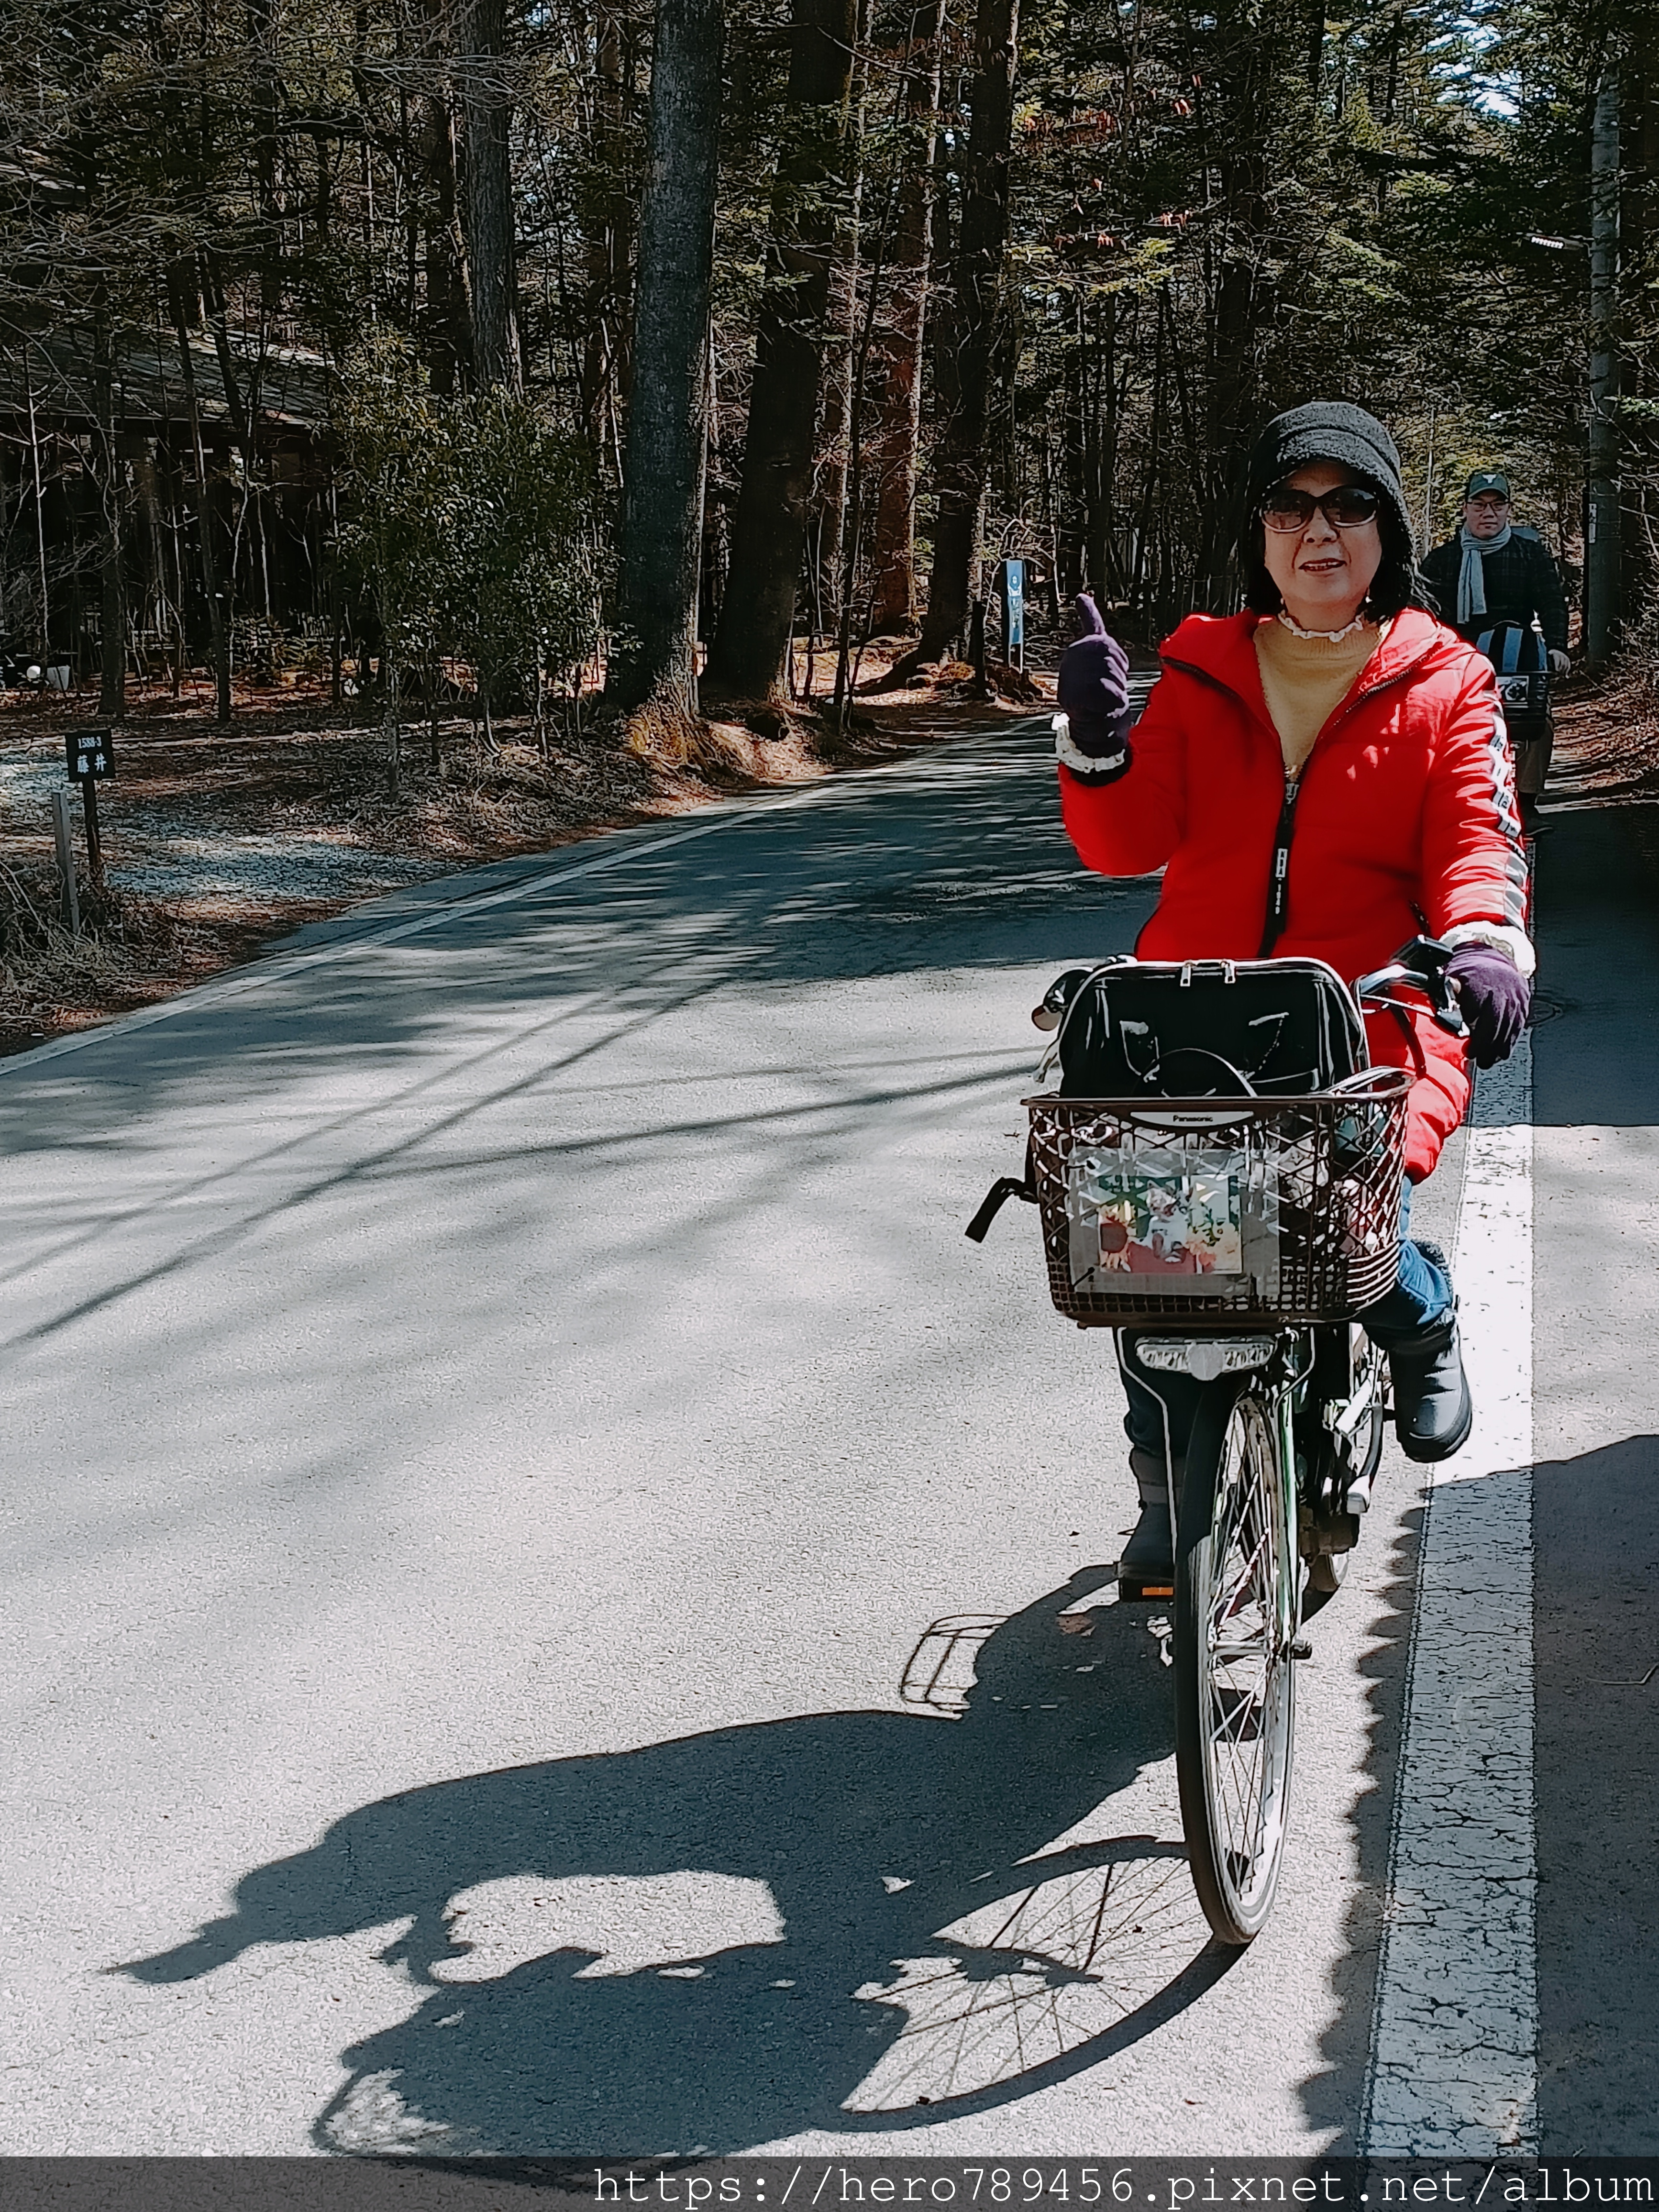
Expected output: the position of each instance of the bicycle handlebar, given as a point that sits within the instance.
(1421, 965)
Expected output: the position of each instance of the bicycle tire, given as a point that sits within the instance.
(1235, 1692)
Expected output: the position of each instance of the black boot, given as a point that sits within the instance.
(1147, 1566)
(1433, 1412)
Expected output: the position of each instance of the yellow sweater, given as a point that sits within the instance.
(1306, 679)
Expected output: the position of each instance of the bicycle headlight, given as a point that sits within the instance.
(1204, 1357)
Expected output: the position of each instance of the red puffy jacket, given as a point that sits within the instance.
(1405, 821)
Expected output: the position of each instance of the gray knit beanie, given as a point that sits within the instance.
(1330, 430)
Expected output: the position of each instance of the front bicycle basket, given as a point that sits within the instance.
(1223, 1210)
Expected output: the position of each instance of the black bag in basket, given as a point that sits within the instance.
(1204, 1029)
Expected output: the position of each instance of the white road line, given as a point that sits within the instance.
(261, 972)
(1454, 2049)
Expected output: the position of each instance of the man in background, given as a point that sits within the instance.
(1496, 573)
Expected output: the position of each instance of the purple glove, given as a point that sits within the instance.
(1094, 690)
(1495, 998)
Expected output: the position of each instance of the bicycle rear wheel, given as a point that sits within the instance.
(1235, 1677)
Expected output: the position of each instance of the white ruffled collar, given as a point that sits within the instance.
(1361, 621)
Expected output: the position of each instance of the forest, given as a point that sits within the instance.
(678, 352)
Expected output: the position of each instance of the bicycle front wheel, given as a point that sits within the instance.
(1234, 1674)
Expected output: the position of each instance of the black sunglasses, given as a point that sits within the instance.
(1348, 507)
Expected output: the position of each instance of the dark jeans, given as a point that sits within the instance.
(1417, 1303)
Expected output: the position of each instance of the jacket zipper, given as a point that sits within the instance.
(1279, 881)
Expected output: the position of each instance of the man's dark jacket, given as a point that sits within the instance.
(1521, 580)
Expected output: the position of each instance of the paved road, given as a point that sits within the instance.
(535, 1547)
(1596, 1100)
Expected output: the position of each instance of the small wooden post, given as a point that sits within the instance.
(61, 834)
(94, 845)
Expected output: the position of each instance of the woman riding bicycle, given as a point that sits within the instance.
(1325, 774)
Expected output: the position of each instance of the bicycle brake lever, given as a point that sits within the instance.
(1422, 963)
(1432, 958)
(1051, 1009)
(1452, 1019)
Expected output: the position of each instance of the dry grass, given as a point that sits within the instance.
(657, 733)
(130, 951)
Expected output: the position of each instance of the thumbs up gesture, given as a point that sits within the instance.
(1094, 699)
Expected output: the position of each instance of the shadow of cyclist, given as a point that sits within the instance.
(871, 1831)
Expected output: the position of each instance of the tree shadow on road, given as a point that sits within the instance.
(829, 1922)
(956, 860)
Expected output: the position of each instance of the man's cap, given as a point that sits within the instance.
(1487, 480)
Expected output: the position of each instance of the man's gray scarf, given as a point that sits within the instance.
(1471, 577)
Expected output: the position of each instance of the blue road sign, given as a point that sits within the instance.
(1011, 585)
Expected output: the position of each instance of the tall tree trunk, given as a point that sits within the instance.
(266, 90)
(768, 534)
(1253, 67)
(608, 249)
(363, 91)
(858, 401)
(486, 103)
(828, 524)
(112, 624)
(655, 657)
(182, 286)
(896, 367)
(961, 468)
(241, 425)
(449, 338)
(1097, 369)
(1071, 557)
(151, 538)
(1602, 456)
(1639, 163)
(828, 513)
(40, 505)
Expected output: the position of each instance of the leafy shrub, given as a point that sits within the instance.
(471, 521)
